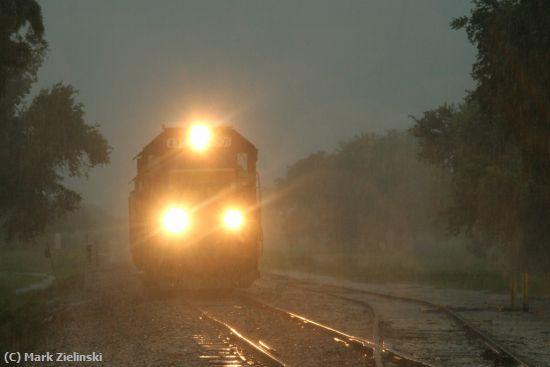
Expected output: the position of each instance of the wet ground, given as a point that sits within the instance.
(116, 317)
(527, 334)
(427, 336)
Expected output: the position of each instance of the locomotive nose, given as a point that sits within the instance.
(194, 209)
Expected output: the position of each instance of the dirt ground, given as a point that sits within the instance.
(525, 333)
(114, 315)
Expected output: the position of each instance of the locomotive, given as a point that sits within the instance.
(194, 211)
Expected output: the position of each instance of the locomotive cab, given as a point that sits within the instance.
(195, 217)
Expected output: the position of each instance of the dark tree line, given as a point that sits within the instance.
(496, 144)
(369, 194)
(489, 157)
(42, 139)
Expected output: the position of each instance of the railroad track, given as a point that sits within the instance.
(498, 352)
(380, 354)
(218, 353)
(367, 352)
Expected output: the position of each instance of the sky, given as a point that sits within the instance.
(294, 77)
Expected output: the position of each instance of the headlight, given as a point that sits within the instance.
(233, 219)
(175, 220)
(199, 137)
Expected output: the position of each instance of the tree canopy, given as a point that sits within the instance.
(43, 140)
(371, 193)
(496, 145)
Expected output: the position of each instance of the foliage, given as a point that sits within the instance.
(496, 145)
(371, 193)
(42, 141)
(22, 50)
(485, 187)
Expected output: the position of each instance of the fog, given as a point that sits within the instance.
(294, 77)
(401, 217)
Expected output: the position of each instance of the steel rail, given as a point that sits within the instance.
(259, 351)
(375, 325)
(368, 347)
(498, 349)
(501, 352)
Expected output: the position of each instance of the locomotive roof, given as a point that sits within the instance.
(158, 144)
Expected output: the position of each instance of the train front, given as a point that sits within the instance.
(194, 211)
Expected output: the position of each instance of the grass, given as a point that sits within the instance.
(449, 265)
(23, 267)
(24, 318)
(22, 315)
(11, 281)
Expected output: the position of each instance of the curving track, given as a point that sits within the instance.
(337, 325)
(380, 354)
(493, 352)
(300, 340)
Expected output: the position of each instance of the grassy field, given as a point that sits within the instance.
(22, 314)
(451, 266)
(22, 267)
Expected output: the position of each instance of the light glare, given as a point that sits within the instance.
(199, 137)
(233, 219)
(176, 220)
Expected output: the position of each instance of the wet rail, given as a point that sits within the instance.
(259, 351)
(217, 310)
(380, 354)
(500, 353)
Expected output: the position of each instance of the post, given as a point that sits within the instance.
(86, 279)
(513, 287)
(88, 251)
(57, 241)
(48, 254)
(525, 279)
(96, 247)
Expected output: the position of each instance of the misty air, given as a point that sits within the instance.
(275, 183)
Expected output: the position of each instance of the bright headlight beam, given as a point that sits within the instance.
(233, 219)
(175, 220)
(199, 137)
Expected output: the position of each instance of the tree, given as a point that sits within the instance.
(485, 186)
(370, 193)
(22, 50)
(496, 145)
(40, 142)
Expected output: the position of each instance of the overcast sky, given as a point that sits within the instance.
(292, 76)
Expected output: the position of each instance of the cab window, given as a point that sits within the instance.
(242, 162)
